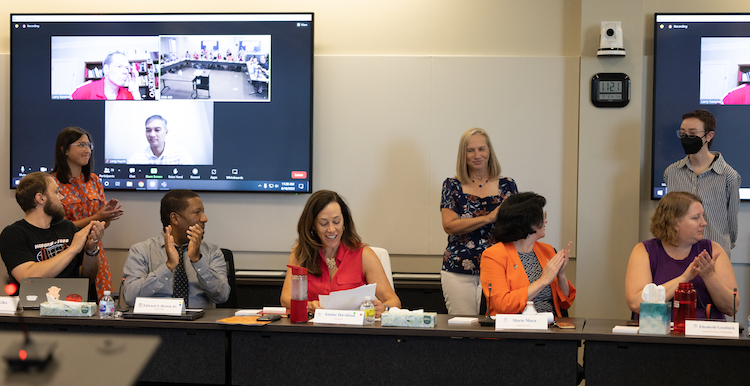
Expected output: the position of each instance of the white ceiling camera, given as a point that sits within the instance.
(610, 39)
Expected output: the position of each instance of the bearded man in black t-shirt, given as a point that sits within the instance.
(43, 244)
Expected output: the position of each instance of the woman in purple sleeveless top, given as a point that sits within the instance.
(680, 254)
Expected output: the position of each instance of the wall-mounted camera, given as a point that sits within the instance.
(610, 39)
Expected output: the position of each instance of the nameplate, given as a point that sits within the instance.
(8, 304)
(520, 322)
(355, 318)
(159, 306)
(712, 329)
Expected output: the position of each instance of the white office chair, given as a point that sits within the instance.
(385, 260)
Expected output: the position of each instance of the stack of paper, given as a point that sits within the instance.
(463, 320)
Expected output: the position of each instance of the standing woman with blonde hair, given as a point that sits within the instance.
(469, 206)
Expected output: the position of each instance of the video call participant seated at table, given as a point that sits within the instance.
(43, 243)
(330, 248)
(119, 81)
(519, 267)
(678, 253)
(178, 263)
(157, 152)
(262, 70)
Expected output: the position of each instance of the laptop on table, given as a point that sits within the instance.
(33, 291)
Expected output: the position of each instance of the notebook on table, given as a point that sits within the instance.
(33, 290)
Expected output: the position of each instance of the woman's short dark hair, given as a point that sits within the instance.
(67, 137)
(517, 217)
(671, 207)
(308, 243)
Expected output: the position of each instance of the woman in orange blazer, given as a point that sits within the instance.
(518, 267)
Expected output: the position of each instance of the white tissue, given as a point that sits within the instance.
(653, 293)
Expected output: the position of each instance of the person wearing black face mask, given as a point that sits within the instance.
(706, 174)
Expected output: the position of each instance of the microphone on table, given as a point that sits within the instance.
(27, 354)
(734, 305)
(487, 321)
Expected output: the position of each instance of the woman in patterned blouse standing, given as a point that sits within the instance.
(469, 206)
(82, 191)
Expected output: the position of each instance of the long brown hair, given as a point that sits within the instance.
(66, 137)
(308, 244)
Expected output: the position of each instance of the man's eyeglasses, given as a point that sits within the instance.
(681, 134)
(89, 145)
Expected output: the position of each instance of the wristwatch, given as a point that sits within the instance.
(96, 251)
(387, 307)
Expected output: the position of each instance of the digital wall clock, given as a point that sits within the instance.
(610, 90)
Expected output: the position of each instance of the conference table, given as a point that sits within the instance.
(635, 359)
(203, 351)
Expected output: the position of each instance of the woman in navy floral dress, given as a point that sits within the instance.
(469, 205)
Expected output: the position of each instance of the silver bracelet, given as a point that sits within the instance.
(96, 251)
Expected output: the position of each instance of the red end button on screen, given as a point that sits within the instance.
(299, 175)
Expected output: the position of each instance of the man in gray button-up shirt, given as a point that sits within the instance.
(149, 270)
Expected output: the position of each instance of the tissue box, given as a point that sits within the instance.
(422, 319)
(68, 309)
(654, 318)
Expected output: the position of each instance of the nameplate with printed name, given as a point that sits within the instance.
(159, 306)
(712, 329)
(354, 318)
(8, 304)
(520, 322)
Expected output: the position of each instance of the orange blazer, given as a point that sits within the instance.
(502, 267)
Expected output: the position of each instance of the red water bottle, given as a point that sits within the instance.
(299, 294)
(684, 306)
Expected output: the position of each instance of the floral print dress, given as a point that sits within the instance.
(464, 251)
(83, 199)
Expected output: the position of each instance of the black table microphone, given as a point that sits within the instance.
(487, 321)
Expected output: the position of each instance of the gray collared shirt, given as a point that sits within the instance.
(719, 188)
(146, 274)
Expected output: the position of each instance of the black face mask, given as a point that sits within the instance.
(691, 145)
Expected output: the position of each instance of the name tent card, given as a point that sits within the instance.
(520, 322)
(712, 329)
(8, 304)
(159, 306)
(354, 318)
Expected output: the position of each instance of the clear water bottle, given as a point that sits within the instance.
(107, 306)
(369, 310)
(530, 309)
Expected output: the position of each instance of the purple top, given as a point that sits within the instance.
(664, 268)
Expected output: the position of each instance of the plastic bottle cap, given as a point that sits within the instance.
(297, 270)
(107, 293)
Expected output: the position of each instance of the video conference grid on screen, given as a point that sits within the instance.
(701, 61)
(176, 101)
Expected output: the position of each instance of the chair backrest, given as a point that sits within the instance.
(232, 301)
(385, 260)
